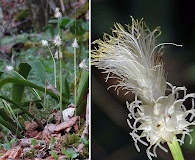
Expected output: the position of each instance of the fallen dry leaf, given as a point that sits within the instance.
(68, 113)
(30, 125)
(66, 124)
(13, 153)
(49, 128)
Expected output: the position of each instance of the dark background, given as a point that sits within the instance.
(110, 132)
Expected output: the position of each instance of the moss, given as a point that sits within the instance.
(71, 140)
(30, 154)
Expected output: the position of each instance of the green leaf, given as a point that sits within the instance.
(79, 28)
(54, 155)
(53, 21)
(66, 22)
(1, 73)
(52, 141)
(33, 142)
(17, 89)
(70, 153)
(13, 129)
(22, 108)
(6, 117)
(82, 88)
(66, 91)
(38, 67)
(29, 84)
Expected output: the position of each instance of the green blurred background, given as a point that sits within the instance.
(110, 132)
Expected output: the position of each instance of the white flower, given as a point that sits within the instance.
(161, 121)
(9, 68)
(83, 65)
(133, 58)
(44, 43)
(58, 55)
(75, 44)
(57, 40)
(57, 14)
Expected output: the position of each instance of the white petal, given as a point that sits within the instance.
(158, 109)
(145, 126)
(147, 109)
(172, 124)
(153, 138)
(171, 109)
(183, 124)
(167, 136)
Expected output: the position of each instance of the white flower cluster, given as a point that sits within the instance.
(57, 14)
(58, 55)
(162, 120)
(9, 68)
(75, 44)
(57, 40)
(133, 58)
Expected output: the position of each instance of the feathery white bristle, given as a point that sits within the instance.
(132, 57)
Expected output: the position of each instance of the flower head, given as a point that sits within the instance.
(58, 55)
(57, 14)
(161, 121)
(83, 65)
(75, 44)
(134, 59)
(9, 68)
(44, 43)
(57, 40)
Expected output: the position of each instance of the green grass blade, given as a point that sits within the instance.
(13, 129)
(22, 108)
(7, 118)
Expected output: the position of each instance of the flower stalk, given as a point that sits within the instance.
(59, 53)
(60, 82)
(75, 79)
(75, 46)
(175, 149)
(54, 68)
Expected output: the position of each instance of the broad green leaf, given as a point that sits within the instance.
(66, 22)
(82, 88)
(79, 28)
(39, 69)
(66, 91)
(17, 89)
(29, 84)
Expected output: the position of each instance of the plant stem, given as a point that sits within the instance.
(75, 80)
(54, 68)
(175, 149)
(60, 81)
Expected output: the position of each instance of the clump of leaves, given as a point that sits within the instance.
(70, 153)
(54, 155)
(6, 141)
